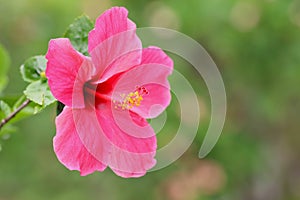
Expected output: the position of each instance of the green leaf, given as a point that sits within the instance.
(5, 110)
(39, 93)
(4, 64)
(28, 111)
(31, 109)
(78, 33)
(34, 68)
(14, 102)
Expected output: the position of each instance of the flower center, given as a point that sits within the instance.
(102, 94)
(132, 99)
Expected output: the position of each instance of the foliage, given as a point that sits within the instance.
(33, 72)
(260, 67)
(78, 33)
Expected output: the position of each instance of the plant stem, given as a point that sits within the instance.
(13, 114)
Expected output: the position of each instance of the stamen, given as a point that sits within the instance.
(132, 99)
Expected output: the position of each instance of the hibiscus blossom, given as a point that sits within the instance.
(108, 97)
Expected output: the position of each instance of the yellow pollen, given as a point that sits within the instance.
(132, 99)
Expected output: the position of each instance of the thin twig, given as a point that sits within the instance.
(13, 114)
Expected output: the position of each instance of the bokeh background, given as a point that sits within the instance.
(256, 45)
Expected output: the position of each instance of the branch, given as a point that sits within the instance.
(13, 114)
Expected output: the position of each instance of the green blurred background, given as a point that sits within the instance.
(256, 45)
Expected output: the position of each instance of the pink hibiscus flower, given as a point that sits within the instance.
(108, 97)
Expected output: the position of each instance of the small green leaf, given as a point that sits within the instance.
(14, 102)
(34, 68)
(28, 111)
(31, 109)
(5, 110)
(39, 93)
(4, 64)
(78, 33)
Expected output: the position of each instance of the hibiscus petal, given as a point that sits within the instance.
(113, 44)
(113, 146)
(67, 71)
(110, 23)
(154, 54)
(151, 74)
(128, 175)
(69, 149)
(155, 102)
